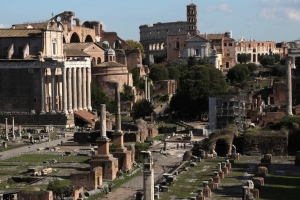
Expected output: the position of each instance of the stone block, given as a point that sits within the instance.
(235, 156)
(228, 165)
(225, 170)
(221, 174)
(193, 164)
(156, 196)
(255, 193)
(164, 188)
(262, 169)
(206, 192)
(213, 186)
(216, 179)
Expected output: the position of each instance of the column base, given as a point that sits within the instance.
(42, 112)
(70, 111)
(79, 108)
(90, 108)
(53, 112)
(65, 112)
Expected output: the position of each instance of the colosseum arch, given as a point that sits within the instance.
(157, 46)
(74, 38)
(105, 44)
(150, 47)
(88, 39)
(222, 147)
(118, 44)
(162, 46)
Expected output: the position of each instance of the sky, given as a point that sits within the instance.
(262, 20)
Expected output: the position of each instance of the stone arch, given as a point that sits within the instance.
(98, 60)
(222, 147)
(157, 46)
(88, 38)
(254, 57)
(118, 44)
(162, 46)
(238, 57)
(150, 47)
(64, 40)
(258, 57)
(74, 38)
(105, 44)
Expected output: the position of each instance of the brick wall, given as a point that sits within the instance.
(35, 195)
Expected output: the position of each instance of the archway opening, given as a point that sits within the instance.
(105, 45)
(221, 147)
(117, 44)
(64, 40)
(75, 38)
(88, 39)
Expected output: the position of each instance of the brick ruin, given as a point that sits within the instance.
(90, 181)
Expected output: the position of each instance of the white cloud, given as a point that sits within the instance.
(293, 14)
(3, 26)
(222, 7)
(253, 22)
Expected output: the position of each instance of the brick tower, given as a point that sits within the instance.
(191, 15)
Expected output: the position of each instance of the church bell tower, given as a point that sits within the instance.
(191, 15)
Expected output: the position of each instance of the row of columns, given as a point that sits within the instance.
(73, 95)
(12, 127)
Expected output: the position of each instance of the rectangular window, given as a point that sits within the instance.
(197, 52)
(230, 44)
(225, 44)
(54, 48)
(227, 64)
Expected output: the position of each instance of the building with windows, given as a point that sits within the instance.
(257, 48)
(154, 36)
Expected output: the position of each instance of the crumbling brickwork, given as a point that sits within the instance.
(90, 181)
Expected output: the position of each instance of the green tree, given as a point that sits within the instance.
(267, 60)
(158, 72)
(56, 188)
(126, 94)
(141, 109)
(159, 58)
(174, 73)
(204, 61)
(191, 61)
(279, 70)
(105, 46)
(251, 67)
(139, 147)
(178, 63)
(99, 97)
(195, 88)
(135, 44)
(238, 73)
(244, 58)
(138, 81)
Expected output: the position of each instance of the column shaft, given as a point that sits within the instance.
(89, 77)
(79, 87)
(70, 90)
(75, 89)
(53, 89)
(84, 88)
(42, 90)
(64, 90)
(103, 120)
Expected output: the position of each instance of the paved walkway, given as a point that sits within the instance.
(131, 187)
(30, 148)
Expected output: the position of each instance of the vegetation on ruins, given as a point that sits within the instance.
(126, 94)
(135, 44)
(99, 97)
(158, 72)
(139, 147)
(244, 57)
(141, 109)
(195, 86)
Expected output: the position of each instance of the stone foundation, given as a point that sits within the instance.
(109, 166)
(90, 181)
(221, 174)
(35, 195)
(124, 160)
(59, 119)
(206, 192)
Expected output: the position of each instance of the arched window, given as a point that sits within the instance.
(54, 47)
(98, 60)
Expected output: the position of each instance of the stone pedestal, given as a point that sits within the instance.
(255, 193)
(216, 177)
(224, 168)
(105, 160)
(200, 195)
(221, 174)
(206, 189)
(235, 156)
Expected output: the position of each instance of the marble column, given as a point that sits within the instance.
(64, 90)
(103, 140)
(42, 70)
(118, 110)
(53, 92)
(6, 129)
(75, 89)
(146, 88)
(70, 90)
(20, 131)
(13, 126)
(288, 66)
(149, 99)
(89, 77)
(84, 88)
(79, 87)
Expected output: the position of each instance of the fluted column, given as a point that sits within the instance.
(70, 90)
(64, 90)
(42, 70)
(13, 126)
(6, 129)
(53, 88)
(89, 77)
(79, 87)
(103, 120)
(75, 107)
(149, 99)
(84, 88)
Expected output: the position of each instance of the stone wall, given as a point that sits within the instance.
(266, 142)
(35, 195)
(164, 87)
(90, 181)
(36, 119)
